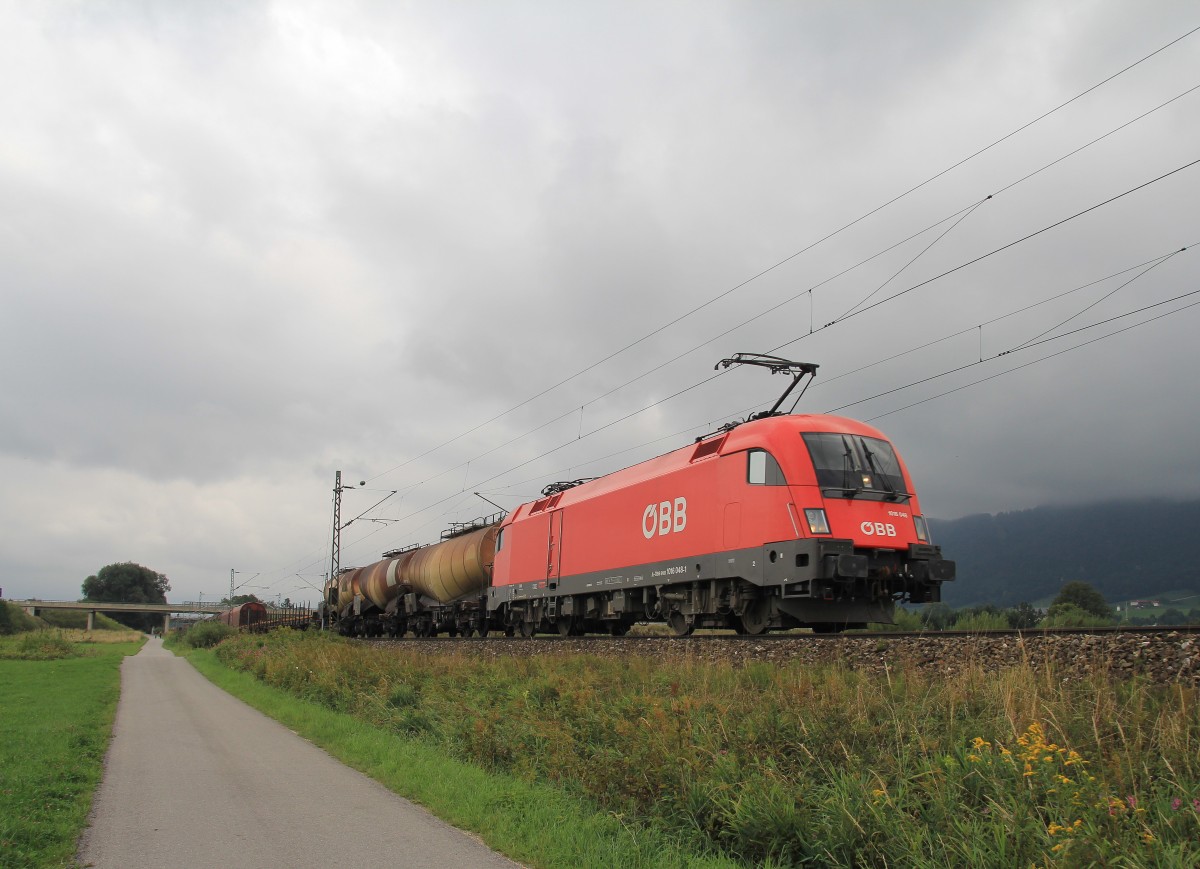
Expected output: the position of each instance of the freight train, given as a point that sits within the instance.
(781, 521)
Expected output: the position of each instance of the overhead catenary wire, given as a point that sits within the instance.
(958, 214)
(1031, 363)
(673, 322)
(1025, 347)
(825, 381)
(870, 398)
(692, 428)
(709, 379)
(841, 319)
(792, 256)
(1086, 308)
(994, 251)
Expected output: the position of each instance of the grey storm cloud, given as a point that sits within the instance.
(243, 246)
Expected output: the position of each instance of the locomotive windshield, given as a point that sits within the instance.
(856, 466)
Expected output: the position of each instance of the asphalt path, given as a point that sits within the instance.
(195, 778)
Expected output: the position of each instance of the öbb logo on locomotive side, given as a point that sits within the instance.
(664, 518)
(878, 529)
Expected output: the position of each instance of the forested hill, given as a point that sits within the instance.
(1127, 550)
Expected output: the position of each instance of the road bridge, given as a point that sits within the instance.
(91, 607)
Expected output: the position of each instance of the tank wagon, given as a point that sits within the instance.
(781, 521)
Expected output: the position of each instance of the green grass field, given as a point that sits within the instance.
(781, 765)
(57, 702)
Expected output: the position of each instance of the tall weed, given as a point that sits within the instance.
(40, 646)
(794, 764)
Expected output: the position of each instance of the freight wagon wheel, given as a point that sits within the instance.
(680, 625)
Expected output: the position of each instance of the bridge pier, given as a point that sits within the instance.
(91, 620)
(166, 623)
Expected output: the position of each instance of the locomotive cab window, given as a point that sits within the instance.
(499, 539)
(763, 470)
(856, 466)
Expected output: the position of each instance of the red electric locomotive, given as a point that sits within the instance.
(781, 521)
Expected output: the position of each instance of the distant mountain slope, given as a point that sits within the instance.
(1128, 549)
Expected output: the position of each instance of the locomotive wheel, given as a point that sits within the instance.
(679, 624)
(564, 626)
(755, 618)
(528, 629)
(618, 629)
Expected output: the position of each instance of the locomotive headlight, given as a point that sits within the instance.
(817, 521)
(922, 528)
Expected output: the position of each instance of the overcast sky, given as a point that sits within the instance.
(245, 245)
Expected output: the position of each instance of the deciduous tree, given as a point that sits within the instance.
(1083, 596)
(127, 582)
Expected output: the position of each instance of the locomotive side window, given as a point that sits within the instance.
(763, 470)
(855, 464)
(500, 540)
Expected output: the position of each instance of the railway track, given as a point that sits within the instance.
(1168, 655)
(811, 637)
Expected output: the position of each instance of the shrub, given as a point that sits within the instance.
(1071, 616)
(207, 634)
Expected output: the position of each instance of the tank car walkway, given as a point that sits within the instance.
(196, 778)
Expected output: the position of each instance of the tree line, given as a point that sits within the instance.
(1078, 605)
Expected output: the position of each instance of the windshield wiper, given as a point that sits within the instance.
(847, 467)
(882, 478)
(893, 494)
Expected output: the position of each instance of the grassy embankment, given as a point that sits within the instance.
(58, 696)
(786, 764)
(533, 822)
